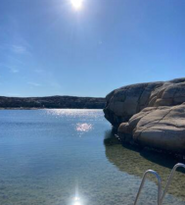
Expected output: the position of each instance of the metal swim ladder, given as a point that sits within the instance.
(161, 194)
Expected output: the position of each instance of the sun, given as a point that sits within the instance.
(77, 4)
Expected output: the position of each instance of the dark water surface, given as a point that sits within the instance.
(63, 157)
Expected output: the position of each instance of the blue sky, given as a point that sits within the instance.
(49, 48)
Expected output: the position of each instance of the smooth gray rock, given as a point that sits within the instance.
(124, 102)
(158, 127)
(150, 114)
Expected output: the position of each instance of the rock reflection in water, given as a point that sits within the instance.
(136, 162)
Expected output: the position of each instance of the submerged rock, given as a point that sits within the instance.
(150, 114)
(136, 161)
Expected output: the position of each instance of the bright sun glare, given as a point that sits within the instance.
(77, 4)
(77, 201)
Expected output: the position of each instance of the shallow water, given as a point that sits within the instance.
(68, 157)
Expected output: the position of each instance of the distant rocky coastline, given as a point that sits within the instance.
(149, 114)
(51, 102)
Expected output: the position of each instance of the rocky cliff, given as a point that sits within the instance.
(150, 114)
(52, 102)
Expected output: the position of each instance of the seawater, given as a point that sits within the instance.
(69, 157)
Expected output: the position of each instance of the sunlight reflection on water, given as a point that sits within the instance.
(73, 112)
(60, 157)
(83, 127)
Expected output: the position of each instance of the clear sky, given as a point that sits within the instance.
(49, 47)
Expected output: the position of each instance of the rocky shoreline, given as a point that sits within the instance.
(71, 102)
(149, 114)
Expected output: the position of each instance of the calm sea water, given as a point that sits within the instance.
(68, 157)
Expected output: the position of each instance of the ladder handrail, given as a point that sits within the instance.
(150, 171)
(170, 179)
(161, 194)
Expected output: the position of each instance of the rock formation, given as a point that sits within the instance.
(150, 114)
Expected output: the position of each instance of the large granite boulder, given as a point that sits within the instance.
(157, 127)
(126, 101)
(150, 114)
